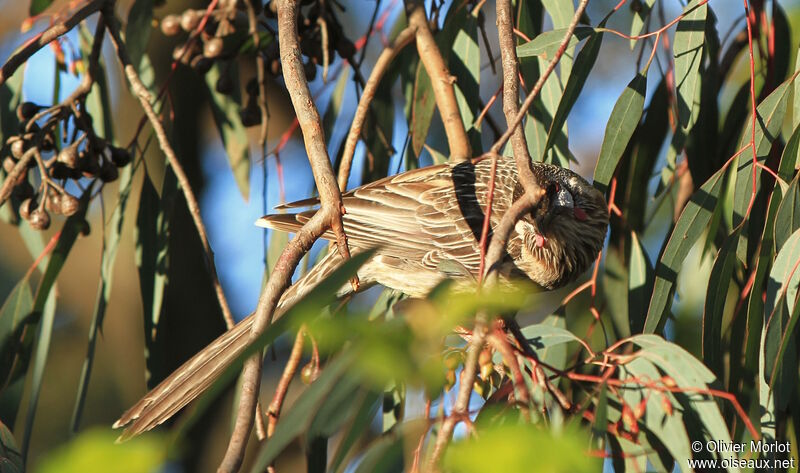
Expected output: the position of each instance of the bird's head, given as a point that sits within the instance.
(563, 234)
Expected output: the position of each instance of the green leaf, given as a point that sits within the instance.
(561, 13)
(788, 217)
(768, 125)
(687, 372)
(639, 17)
(302, 413)
(95, 450)
(359, 426)
(546, 44)
(465, 65)
(10, 458)
(111, 238)
(780, 300)
(497, 448)
(718, 284)
(151, 234)
(14, 313)
(225, 109)
(138, 28)
(688, 53)
(670, 430)
(39, 362)
(640, 284)
(621, 124)
(693, 220)
(38, 6)
(584, 64)
(421, 109)
(541, 336)
(335, 104)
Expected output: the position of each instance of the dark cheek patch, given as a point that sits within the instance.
(579, 214)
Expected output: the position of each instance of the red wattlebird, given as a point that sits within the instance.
(417, 220)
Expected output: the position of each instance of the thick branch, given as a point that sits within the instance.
(508, 54)
(441, 82)
(328, 216)
(143, 95)
(44, 38)
(386, 57)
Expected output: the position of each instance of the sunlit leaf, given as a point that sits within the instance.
(690, 226)
(621, 124)
(546, 44)
(788, 218)
(95, 450)
(688, 53)
(498, 449)
(639, 17)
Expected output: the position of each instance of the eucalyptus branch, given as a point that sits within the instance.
(43, 39)
(328, 216)
(441, 82)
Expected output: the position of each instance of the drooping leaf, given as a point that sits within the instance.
(10, 457)
(584, 63)
(639, 18)
(39, 363)
(621, 124)
(421, 109)
(138, 28)
(688, 53)
(779, 302)
(111, 239)
(561, 14)
(690, 226)
(788, 218)
(465, 65)
(359, 426)
(16, 309)
(225, 110)
(768, 124)
(640, 284)
(718, 284)
(302, 413)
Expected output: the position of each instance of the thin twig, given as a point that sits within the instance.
(44, 38)
(381, 65)
(140, 91)
(542, 78)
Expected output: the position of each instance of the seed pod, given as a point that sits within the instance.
(26, 111)
(171, 25)
(275, 68)
(49, 141)
(250, 115)
(25, 208)
(190, 19)
(307, 373)
(68, 156)
(8, 164)
(53, 202)
(87, 163)
(486, 371)
(212, 48)
(485, 357)
(225, 84)
(201, 64)
(453, 359)
(39, 219)
(69, 205)
(59, 171)
(449, 379)
(23, 188)
(85, 228)
(119, 156)
(108, 172)
(345, 47)
(18, 148)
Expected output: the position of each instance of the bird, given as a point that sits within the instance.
(425, 225)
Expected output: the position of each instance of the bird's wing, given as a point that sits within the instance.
(429, 215)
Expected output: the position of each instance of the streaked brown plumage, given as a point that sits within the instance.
(418, 220)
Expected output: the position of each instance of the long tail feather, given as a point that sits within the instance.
(200, 371)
